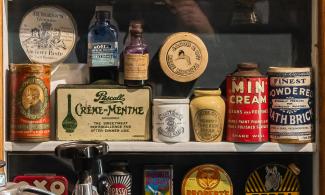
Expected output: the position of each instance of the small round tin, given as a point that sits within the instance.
(170, 120)
(47, 34)
(207, 179)
(30, 102)
(183, 57)
(291, 103)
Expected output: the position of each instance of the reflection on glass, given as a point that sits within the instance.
(244, 13)
(190, 15)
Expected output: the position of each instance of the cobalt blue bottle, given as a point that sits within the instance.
(103, 56)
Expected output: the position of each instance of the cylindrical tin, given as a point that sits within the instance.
(247, 105)
(208, 115)
(30, 102)
(290, 96)
(170, 120)
(119, 180)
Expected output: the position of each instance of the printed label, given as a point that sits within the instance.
(272, 179)
(47, 34)
(103, 54)
(103, 114)
(158, 181)
(207, 179)
(136, 66)
(247, 109)
(208, 125)
(119, 185)
(33, 98)
(184, 58)
(171, 123)
(290, 112)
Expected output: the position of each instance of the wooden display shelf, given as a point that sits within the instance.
(135, 146)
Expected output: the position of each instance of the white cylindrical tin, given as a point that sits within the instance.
(170, 120)
(291, 103)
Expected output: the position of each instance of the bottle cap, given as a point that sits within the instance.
(136, 26)
(183, 57)
(247, 65)
(47, 34)
(103, 14)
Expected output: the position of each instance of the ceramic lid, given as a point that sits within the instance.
(183, 57)
(289, 69)
(47, 34)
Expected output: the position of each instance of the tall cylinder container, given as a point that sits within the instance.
(291, 103)
(30, 102)
(247, 105)
(208, 115)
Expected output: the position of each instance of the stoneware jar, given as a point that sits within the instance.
(170, 120)
(208, 115)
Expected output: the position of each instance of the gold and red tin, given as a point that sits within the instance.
(247, 105)
(207, 179)
(30, 102)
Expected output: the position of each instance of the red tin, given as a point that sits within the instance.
(56, 184)
(247, 105)
(30, 102)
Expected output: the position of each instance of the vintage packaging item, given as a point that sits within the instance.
(247, 105)
(55, 184)
(291, 104)
(207, 179)
(208, 115)
(103, 112)
(47, 34)
(183, 57)
(119, 180)
(274, 179)
(158, 180)
(30, 102)
(170, 120)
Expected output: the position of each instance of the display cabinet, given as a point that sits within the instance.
(281, 33)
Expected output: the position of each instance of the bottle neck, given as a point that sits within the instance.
(136, 39)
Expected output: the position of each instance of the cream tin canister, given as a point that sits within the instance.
(170, 120)
(103, 112)
(47, 34)
(291, 104)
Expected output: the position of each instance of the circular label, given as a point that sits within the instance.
(119, 184)
(183, 57)
(207, 125)
(207, 179)
(273, 178)
(47, 34)
(33, 98)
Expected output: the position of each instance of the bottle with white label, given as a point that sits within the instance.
(103, 53)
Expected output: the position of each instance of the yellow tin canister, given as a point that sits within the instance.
(207, 179)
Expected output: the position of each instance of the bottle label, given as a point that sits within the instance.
(103, 54)
(136, 66)
(208, 124)
(119, 185)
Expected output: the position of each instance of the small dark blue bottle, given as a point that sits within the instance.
(103, 56)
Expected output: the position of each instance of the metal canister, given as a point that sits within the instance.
(30, 102)
(291, 115)
(119, 179)
(247, 105)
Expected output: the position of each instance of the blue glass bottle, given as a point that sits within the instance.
(103, 56)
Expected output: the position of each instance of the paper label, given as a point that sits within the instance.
(103, 54)
(136, 66)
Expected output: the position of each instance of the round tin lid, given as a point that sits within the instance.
(207, 177)
(47, 34)
(289, 69)
(171, 100)
(183, 57)
(273, 178)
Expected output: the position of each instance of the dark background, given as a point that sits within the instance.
(282, 38)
